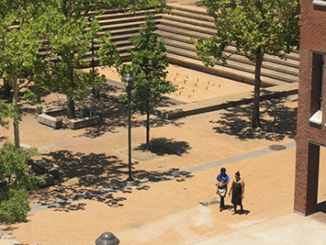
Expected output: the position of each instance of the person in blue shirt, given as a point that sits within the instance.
(222, 186)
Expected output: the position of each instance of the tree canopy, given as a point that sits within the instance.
(7, 111)
(15, 181)
(19, 47)
(254, 28)
(148, 66)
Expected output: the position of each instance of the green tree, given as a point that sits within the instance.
(19, 46)
(7, 110)
(70, 38)
(148, 66)
(255, 28)
(68, 41)
(16, 181)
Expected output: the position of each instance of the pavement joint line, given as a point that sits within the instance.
(237, 158)
(100, 192)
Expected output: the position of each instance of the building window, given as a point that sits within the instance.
(319, 3)
(317, 87)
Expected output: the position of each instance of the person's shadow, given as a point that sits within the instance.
(242, 212)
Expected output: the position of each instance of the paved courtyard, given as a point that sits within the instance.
(175, 199)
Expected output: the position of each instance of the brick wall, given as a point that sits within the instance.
(312, 39)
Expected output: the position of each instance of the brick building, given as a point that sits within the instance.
(311, 126)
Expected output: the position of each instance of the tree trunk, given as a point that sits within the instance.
(147, 119)
(255, 114)
(70, 108)
(147, 131)
(6, 88)
(15, 103)
(70, 101)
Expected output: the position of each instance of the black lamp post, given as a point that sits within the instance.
(129, 78)
(90, 19)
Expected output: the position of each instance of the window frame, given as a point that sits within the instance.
(317, 116)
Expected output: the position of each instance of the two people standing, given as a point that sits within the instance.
(237, 189)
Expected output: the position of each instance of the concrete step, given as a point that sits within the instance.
(198, 16)
(115, 14)
(122, 31)
(223, 71)
(189, 10)
(123, 28)
(123, 37)
(238, 57)
(123, 50)
(288, 62)
(291, 59)
(178, 28)
(125, 20)
(186, 29)
(245, 67)
(198, 23)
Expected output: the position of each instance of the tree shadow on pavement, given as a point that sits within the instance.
(115, 115)
(8, 229)
(164, 146)
(87, 176)
(3, 138)
(67, 207)
(278, 121)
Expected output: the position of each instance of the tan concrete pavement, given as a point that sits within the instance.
(169, 211)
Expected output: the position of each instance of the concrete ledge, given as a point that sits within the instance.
(49, 121)
(42, 167)
(56, 112)
(84, 122)
(88, 112)
(49, 179)
(224, 102)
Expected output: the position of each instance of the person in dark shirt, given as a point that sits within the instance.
(237, 189)
(222, 186)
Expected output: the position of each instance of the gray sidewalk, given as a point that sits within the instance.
(286, 230)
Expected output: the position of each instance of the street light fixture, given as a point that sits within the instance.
(129, 79)
(94, 92)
